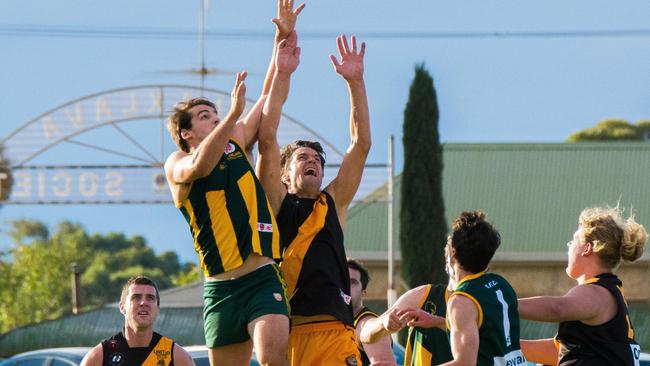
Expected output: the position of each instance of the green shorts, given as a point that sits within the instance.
(228, 306)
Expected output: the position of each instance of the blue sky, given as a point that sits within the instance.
(511, 88)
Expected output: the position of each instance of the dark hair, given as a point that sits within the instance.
(365, 278)
(138, 280)
(475, 241)
(181, 119)
(288, 150)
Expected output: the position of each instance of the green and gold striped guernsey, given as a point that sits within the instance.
(498, 318)
(229, 215)
(429, 346)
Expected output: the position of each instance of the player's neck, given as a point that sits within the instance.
(137, 337)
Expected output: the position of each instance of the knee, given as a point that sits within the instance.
(272, 359)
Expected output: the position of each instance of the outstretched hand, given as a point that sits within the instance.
(286, 20)
(288, 54)
(351, 65)
(238, 95)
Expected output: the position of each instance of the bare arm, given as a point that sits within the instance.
(542, 351)
(285, 24)
(463, 321)
(181, 357)
(268, 166)
(577, 304)
(181, 167)
(94, 357)
(381, 350)
(344, 186)
(392, 321)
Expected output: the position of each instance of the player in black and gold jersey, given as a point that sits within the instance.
(233, 228)
(595, 327)
(138, 344)
(311, 221)
(381, 351)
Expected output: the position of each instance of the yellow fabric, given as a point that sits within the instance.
(224, 233)
(247, 188)
(161, 354)
(327, 343)
(295, 253)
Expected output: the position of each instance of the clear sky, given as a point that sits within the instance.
(506, 71)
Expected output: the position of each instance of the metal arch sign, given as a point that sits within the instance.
(40, 177)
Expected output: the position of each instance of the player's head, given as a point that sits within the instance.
(180, 122)
(473, 241)
(359, 279)
(603, 231)
(302, 163)
(140, 303)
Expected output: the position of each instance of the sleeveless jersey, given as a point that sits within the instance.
(364, 311)
(229, 215)
(611, 343)
(498, 318)
(429, 346)
(314, 265)
(160, 352)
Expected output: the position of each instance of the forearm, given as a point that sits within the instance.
(380, 352)
(541, 351)
(373, 330)
(359, 115)
(272, 110)
(207, 154)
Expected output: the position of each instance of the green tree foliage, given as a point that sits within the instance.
(423, 228)
(614, 130)
(36, 271)
(6, 179)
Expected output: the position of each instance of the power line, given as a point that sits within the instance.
(47, 31)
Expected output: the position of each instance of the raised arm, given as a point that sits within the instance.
(285, 23)
(182, 167)
(577, 304)
(344, 186)
(463, 321)
(268, 164)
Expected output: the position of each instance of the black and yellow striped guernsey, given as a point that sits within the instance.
(429, 346)
(229, 215)
(610, 343)
(159, 352)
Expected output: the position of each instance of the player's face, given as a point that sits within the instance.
(204, 120)
(355, 288)
(140, 308)
(305, 171)
(574, 248)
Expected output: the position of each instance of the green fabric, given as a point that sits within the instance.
(230, 305)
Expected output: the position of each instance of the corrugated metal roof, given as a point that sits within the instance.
(533, 193)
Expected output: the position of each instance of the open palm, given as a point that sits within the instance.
(351, 65)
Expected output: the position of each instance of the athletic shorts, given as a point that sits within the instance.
(326, 343)
(228, 306)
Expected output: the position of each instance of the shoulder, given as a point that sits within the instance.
(94, 357)
(173, 158)
(181, 357)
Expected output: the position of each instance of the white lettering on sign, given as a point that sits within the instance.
(22, 185)
(49, 127)
(156, 103)
(132, 108)
(114, 182)
(88, 184)
(103, 109)
(75, 115)
(62, 190)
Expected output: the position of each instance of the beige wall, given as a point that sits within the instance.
(528, 278)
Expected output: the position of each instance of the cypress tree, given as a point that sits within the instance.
(423, 227)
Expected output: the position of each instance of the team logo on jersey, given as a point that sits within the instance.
(351, 361)
(277, 296)
(347, 298)
(430, 307)
(264, 227)
(229, 148)
(161, 355)
(117, 359)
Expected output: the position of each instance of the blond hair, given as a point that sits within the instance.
(612, 237)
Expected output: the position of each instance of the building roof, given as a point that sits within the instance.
(533, 193)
